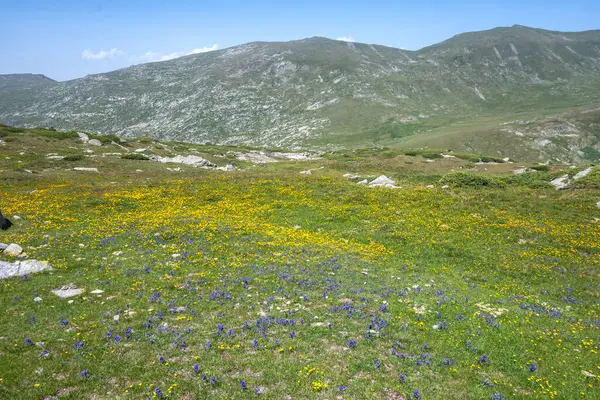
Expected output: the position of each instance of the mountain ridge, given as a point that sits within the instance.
(330, 93)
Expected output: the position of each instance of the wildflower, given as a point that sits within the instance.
(532, 367)
(85, 373)
(158, 392)
(383, 308)
(257, 391)
(416, 394)
(44, 353)
(196, 367)
(341, 388)
(377, 364)
(28, 342)
(243, 385)
(292, 334)
(402, 378)
(161, 359)
(352, 343)
(497, 396)
(213, 380)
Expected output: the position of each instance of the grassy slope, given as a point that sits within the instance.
(291, 254)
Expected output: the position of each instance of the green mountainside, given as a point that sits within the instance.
(507, 92)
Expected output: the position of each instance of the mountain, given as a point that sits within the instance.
(12, 82)
(325, 93)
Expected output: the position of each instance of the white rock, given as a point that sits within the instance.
(37, 299)
(85, 169)
(116, 318)
(598, 205)
(195, 161)
(507, 159)
(383, 181)
(429, 187)
(583, 174)
(84, 138)
(94, 142)
(350, 176)
(13, 249)
(447, 156)
(55, 157)
(97, 291)
(445, 187)
(561, 183)
(3, 246)
(521, 171)
(363, 182)
(22, 268)
(307, 172)
(68, 291)
(140, 150)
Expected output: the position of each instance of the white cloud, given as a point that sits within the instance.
(152, 56)
(204, 49)
(345, 39)
(101, 55)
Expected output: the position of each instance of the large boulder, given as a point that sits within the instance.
(84, 138)
(561, 183)
(94, 142)
(20, 268)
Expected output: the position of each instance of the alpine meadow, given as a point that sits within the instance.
(311, 219)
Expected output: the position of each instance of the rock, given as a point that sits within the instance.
(140, 150)
(55, 157)
(598, 205)
(3, 246)
(13, 249)
(195, 161)
(351, 176)
(445, 187)
(507, 159)
(68, 291)
(85, 169)
(583, 174)
(447, 156)
(17, 217)
(522, 170)
(97, 291)
(37, 299)
(383, 181)
(307, 172)
(20, 268)
(94, 142)
(561, 183)
(83, 137)
(429, 187)
(363, 182)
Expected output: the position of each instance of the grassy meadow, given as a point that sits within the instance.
(264, 283)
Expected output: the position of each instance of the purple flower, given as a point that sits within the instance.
(28, 341)
(255, 344)
(243, 385)
(383, 308)
(341, 388)
(416, 394)
(352, 343)
(257, 391)
(204, 377)
(484, 359)
(196, 367)
(292, 334)
(213, 380)
(377, 364)
(402, 378)
(85, 373)
(158, 392)
(161, 359)
(117, 339)
(497, 396)
(44, 353)
(532, 367)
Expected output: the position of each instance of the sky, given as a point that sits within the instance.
(68, 39)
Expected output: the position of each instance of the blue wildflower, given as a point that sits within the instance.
(243, 385)
(533, 367)
(196, 367)
(416, 394)
(352, 343)
(85, 373)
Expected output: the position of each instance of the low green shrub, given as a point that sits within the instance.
(135, 156)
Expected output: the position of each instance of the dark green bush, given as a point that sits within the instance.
(74, 157)
(466, 179)
(541, 168)
(135, 156)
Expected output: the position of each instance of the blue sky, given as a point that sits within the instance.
(66, 39)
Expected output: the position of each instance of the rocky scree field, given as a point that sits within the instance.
(179, 281)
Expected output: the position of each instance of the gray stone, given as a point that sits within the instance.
(85, 169)
(583, 174)
(13, 249)
(95, 142)
(561, 183)
(68, 291)
(3, 246)
(598, 205)
(37, 299)
(307, 172)
(84, 138)
(383, 181)
(20, 268)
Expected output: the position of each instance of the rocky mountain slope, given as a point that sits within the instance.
(319, 92)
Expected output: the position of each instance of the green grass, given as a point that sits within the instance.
(340, 285)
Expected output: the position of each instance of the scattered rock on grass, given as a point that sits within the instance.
(68, 291)
(307, 172)
(583, 174)
(94, 142)
(13, 249)
(85, 169)
(561, 183)
(383, 181)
